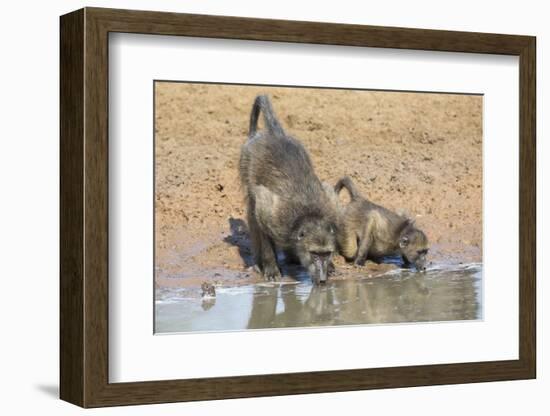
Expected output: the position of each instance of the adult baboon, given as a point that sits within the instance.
(287, 206)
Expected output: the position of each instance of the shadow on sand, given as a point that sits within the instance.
(239, 238)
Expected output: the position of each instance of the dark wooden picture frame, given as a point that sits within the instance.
(84, 207)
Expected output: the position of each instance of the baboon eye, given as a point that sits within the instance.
(301, 235)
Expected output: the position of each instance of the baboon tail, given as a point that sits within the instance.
(263, 104)
(347, 183)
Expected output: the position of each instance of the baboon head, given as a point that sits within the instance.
(315, 242)
(413, 244)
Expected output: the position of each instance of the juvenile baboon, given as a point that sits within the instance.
(367, 230)
(287, 206)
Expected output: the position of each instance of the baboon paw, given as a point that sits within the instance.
(359, 263)
(272, 273)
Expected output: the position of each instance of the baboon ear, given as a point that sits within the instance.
(404, 241)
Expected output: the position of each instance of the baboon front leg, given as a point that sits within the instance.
(255, 238)
(362, 253)
(263, 248)
(364, 243)
(347, 241)
(269, 258)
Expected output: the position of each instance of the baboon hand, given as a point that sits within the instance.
(272, 273)
(359, 261)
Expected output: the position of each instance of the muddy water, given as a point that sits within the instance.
(440, 294)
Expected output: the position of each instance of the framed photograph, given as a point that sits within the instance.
(255, 207)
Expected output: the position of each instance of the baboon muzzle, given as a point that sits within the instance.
(320, 266)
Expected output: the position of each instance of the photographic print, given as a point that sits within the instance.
(353, 191)
(292, 207)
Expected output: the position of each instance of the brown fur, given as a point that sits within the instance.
(288, 207)
(367, 230)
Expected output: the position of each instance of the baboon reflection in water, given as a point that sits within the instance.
(362, 302)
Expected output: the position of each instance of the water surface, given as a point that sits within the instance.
(444, 293)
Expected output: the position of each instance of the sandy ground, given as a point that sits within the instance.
(416, 153)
